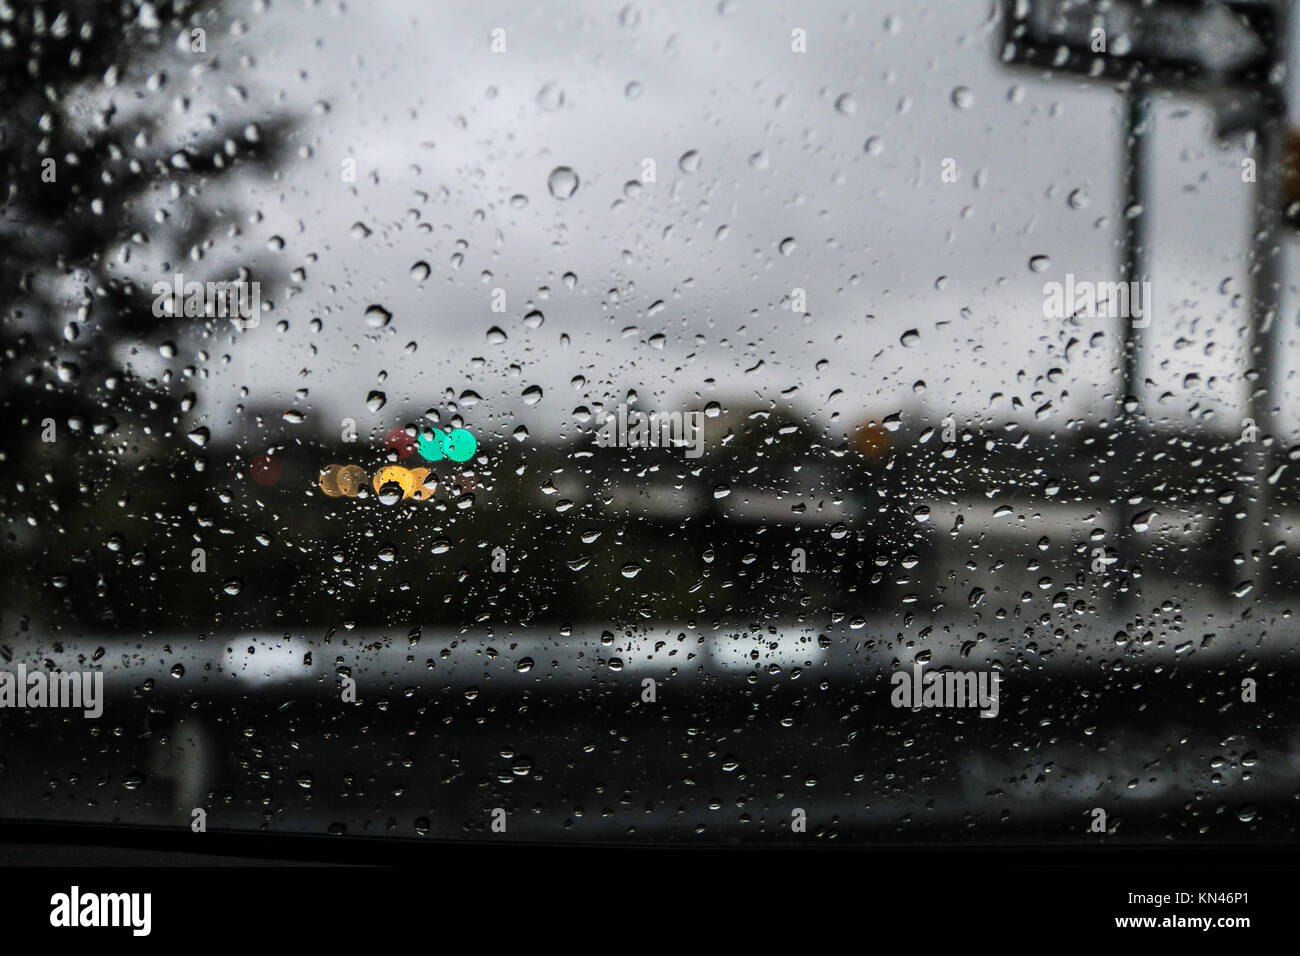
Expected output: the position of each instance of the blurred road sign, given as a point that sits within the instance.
(1180, 43)
(1232, 52)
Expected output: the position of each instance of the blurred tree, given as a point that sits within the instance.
(89, 163)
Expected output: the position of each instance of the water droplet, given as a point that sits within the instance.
(550, 97)
(562, 183)
(377, 316)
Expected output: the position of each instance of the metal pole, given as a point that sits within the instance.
(1133, 268)
(1266, 276)
(1262, 386)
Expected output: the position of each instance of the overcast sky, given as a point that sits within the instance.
(682, 285)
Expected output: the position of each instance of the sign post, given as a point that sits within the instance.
(1229, 52)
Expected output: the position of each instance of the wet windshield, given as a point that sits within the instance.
(736, 423)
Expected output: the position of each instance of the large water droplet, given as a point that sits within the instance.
(563, 182)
